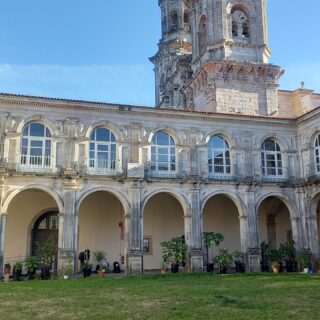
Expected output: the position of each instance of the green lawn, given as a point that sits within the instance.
(183, 296)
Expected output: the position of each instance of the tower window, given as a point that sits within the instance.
(173, 22)
(240, 25)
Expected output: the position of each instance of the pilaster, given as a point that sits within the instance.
(3, 218)
(134, 227)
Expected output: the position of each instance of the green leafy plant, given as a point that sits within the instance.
(239, 256)
(304, 257)
(17, 266)
(45, 252)
(265, 256)
(31, 263)
(211, 240)
(224, 259)
(174, 251)
(288, 251)
(99, 256)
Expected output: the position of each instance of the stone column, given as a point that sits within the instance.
(244, 233)
(68, 228)
(253, 233)
(312, 225)
(193, 224)
(134, 227)
(296, 224)
(3, 218)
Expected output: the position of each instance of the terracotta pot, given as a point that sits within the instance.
(275, 269)
(101, 274)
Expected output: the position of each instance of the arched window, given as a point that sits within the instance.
(218, 156)
(240, 24)
(173, 22)
(163, 156)
(103, 150)
(271, 158)
(202, 34)
(317, 153)
(35, 146)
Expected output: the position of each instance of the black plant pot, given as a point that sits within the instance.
(31, 274)
(240, 267)
(280, 267)
(16, 276)
(210, 267)
(223, 270)
(174, 267)
(45, 273)
(86, 272)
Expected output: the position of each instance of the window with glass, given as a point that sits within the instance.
(218, 156)
(271, 158)
(36, 145)
(103, 150)
(317, 153)
(163, 153)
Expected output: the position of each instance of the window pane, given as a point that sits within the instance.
(113, 147)
(162, 138)
(36, 152)
(269, 145)
(24, 142)
(36, 144)
(102, 147)
(102, 134)
(163, 151)
(37, 130)
(217, 142)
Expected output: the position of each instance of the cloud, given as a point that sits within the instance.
(114, 84)
(295, 74)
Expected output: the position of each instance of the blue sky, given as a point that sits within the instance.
(98, 50)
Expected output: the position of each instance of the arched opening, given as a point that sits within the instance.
(101, 226)
(202, 34)
(163, 220)
(32, 219)
(186, 20)
(240, 24)
(221, 215)
(274, 222)
(173, 22)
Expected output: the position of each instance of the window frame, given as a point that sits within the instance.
(269, 156)
(226, 160)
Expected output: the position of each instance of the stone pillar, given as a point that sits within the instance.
(244, 233)
(312, 224)
(68, 228)
(193, 224)
(296, 224)
(253, 233)
(271, 231)
(134, 227)
(3, 218)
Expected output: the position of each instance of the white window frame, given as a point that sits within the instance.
(267, 171)
(155, 152)
(317, 154)
(29, 162)
(223, 169)
(103, 166)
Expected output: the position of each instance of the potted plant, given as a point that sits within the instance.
(17, 270)
(86, 269)
(304, 259)
(6, 272)
(265, 256)
(211, 239)
(239, 261)
(100, 256)
(44, 253)
(32, 264)
(164, 268)
(174, 252)
(224, 260)
(275, 258)
(289, 253)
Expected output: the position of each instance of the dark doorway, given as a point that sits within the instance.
(46, 227)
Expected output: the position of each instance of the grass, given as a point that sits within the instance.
(183, 296)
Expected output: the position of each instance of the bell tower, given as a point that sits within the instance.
(172, 61)
(230, 59)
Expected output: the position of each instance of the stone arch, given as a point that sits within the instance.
(107, 125)
(37, 119)
(313, 206)
(293, 210)
(224, 135)
(118, 194)
(174, 21)
(233, 197)
(178, 196)
(172, 132)
(10, 196)
(281, 141)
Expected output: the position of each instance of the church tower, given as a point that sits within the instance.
(172, 61)
(230, 70)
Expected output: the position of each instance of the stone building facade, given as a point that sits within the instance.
(223, 151)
